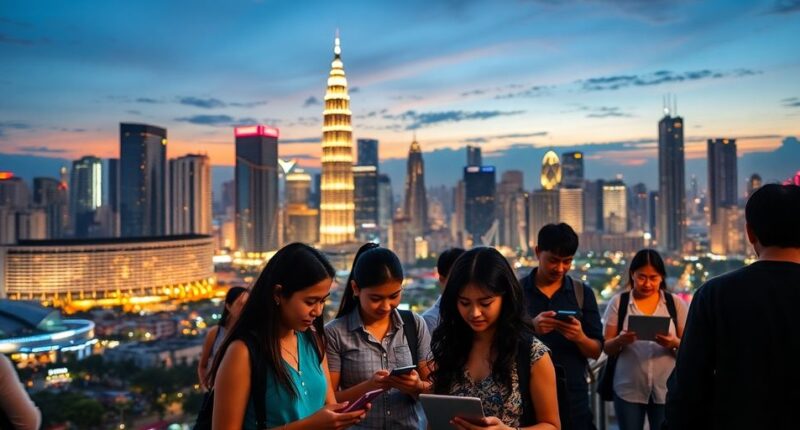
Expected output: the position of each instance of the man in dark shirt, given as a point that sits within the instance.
(737, 363)
(548, 289)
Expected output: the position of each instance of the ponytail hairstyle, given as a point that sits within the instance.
(295, 267)
(648, 257)
(372, 266)
(230, 298)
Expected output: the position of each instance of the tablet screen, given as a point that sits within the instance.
(647, 327)
(441, 409)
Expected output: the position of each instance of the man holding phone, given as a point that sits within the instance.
(565, 315)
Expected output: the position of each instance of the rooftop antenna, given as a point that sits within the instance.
(675, 103)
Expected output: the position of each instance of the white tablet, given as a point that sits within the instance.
(647, 327)
(440, 409)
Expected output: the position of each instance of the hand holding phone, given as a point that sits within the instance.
(397, 371)
(362, 401)
(564, 315)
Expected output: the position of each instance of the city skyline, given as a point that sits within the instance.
(522, 85)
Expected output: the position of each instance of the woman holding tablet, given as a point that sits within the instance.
(370, 341)
(642, 367)
(481, 337)
(271, 370)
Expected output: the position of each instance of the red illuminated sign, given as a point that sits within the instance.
(256, 130)
(6, 175)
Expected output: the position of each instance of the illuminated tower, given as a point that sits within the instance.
(416, 207)
(337, 220)
(551, 171)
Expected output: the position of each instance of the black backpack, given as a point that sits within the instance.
(524, 375)
(410, 331)
(258, 387)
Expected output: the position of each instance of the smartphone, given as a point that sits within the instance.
(402, 370)
(563, 315)
(362, 401)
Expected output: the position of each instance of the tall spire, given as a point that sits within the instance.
(337, 207)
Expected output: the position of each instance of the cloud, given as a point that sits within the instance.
(476, 140)
(133, 112)
(147, 100)
(209, 103)
(217, 120)
(485, 139)
(785, 6)
(311, 101)
(13, 125)
(4, 38)
(303, 140)
(354, 90)
(372, 114)
(605, 112)
(423, 119)
(534, 91)
(249, 104)
(660, 77)
(40, 150)
(791, 102)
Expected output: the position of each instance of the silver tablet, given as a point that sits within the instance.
(440, 409)
(647, 327)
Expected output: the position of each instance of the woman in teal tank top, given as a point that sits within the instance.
(282, 323)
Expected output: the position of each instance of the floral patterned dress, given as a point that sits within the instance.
(499, 400)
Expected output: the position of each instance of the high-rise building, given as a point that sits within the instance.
(50, 194)
(726, 237)
(458, 223)
(190, 196)
(593, 205)
(365, 180)
(551, 171)
(479, 201)
(385, 206)
(402, 241)
(416, 202)
(86, 193)
(337, 209)
(671, 184)
(615, 207)
(511, 210)
(298, 187)
(722, 175)
(753, 183)
(367, 152)
(14, 193)
(544, 209)
(637, 208)
(302, 221)
(572, 169)
(474, 156)
(256, 177)
(652, 214)
(570, 207)
(31, 224)
(143, 180)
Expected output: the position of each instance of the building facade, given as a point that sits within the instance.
(190, 195)
(671, 231)
(416, 201)
(143, 180)
(256, 177)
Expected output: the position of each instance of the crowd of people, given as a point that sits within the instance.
(520, 346)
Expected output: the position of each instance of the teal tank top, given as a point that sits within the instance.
(310, 385)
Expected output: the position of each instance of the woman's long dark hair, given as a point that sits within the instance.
(648, 257)
(230, 297)
(452, 339)
(294, 267)
(372, 266)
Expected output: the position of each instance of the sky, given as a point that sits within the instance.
(501, 74)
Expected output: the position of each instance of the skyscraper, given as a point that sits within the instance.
(190, 195)
(593, 205)
(416, 202)
(302, 222)
(570, 207)
(474, 156)
(367, 152)
(512, 204)
(51, 195)
(615, 207)
(572, 169)
(143, 180)
(256, 177)
(385, 206)
(671, 184)
(479, 201)
(86, 188)
(722, 175)
(365, 180)
(637, 208)
(337, 224)
(551, 171)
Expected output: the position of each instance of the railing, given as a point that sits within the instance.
(597, 404)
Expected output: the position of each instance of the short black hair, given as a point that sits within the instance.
(773, 214)
(446, 260)
(560, 239)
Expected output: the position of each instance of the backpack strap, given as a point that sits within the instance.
(524, 376)
(622, 310)
(577, 287)
(410, 331)
(673, 312)
(258, 381)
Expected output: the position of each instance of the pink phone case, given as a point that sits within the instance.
(362, 401)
